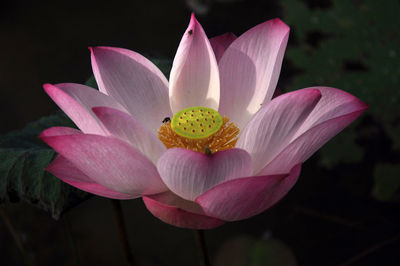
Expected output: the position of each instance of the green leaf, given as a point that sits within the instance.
(387, 182)
(330, 154)
(358, 52)
(23, 158)
(247, 250)
(271, 252)
(163, 64)
(91, 82)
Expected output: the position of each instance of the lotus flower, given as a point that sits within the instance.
(207, 147)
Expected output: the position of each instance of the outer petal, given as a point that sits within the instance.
(221, 43)
(125, 127)
(309, 142)
(249, 70)
(188, 174)
(77, 101)
(134, 82)
(59, 131)
(333, 103)
(194, 79)
(109, 162)
(245, 197)
(68, 173)
(272, 128)
(174, 210)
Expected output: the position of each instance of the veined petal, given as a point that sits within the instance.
(109, 162)
(176, 211)
(335, 111)
(71, 175)
(249, 70)
(59, 131)
(77, 101)
(194, 79)
(272, 128)
(333, 103)
(188, 173)
(134, 81)
(308, 143)
(125, 127)
(221, 43)
(245, 197)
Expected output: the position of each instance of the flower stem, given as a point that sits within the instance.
(205, 260)
(72, 241)
(119, 218)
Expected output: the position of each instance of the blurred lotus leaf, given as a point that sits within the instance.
(247, 250)
(387, 182)
(354, 46)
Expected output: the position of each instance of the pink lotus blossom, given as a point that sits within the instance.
(122, 149)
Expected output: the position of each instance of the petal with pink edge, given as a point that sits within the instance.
(135, 82)
(188, 173)
(77, 101)
(245, 197)
(220, 43)
(127, 128)
(333, 103)
(194, 79)
(176, 211)
(272, 128)
(71, 175)
(249, 70)
(308, 143)
(59, 131)
(109, 162)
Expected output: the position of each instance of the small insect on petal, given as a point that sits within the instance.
(166, 120)
(208, 152)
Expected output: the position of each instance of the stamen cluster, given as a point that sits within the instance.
(225, 138)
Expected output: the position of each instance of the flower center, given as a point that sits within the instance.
(199, 129)
(196, 122)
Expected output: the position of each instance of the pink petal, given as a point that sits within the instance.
(188, 174)
(109, 162)
(333, 103)
(176, 211)
(125, 127)
(59, 131)
(309, 142)
(249, 70)
(77, 101)
(245, 197)
(68, 173)
(194, 79)
(220, 43)
(272, 128)
(135, 82)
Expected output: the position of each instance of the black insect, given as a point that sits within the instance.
(190, 32)
(166, 120)
(208, 152)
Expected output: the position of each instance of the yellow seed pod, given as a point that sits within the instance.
(196, 122)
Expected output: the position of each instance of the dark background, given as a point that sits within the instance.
(339, 213)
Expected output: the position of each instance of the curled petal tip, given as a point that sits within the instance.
(192, 24)
(47, 87)
(279, 22)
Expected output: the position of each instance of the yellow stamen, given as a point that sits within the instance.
(225, 137)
